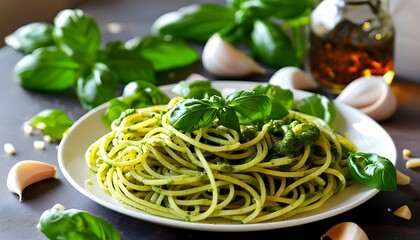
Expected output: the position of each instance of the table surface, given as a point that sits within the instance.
(18, 220)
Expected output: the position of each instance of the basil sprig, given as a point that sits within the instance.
(76, 60)
(272, 30)
(241, 107)
(68, 54)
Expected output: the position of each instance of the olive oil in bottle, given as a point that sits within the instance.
(350, 39)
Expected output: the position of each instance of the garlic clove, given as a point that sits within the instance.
(360, 93)
(371, 95)
(222, 59)
(344, 231)
(27, 172)
(293, 78)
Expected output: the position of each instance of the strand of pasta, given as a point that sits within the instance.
(276, 162)
(237, 155)
(118, 190)
(91, 158)
(284, 210)
(233, 137)
(214, 189)
(318, 199)
(256, 197)
(322, 142)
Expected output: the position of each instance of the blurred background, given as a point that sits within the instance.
(405, 13)
(15, 13)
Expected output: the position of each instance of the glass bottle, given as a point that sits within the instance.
(350, 39)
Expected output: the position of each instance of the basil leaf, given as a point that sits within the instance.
(164, 52)
(281, 99)
(192, 114)
(114, 110)
(30, 37)
(203, 93)
(242, 107)
(77, 34)
(137, 94)
(282, 9)
(235, 4)
(95, 86)
(373, 171)
(227, 117)
(196, 22)
(250, 106)
(54, 122)
(127, 65)
(57, 223)
(196, 89)
(46, 69)
(270, 44)
(145, 94)
(184, 87)
(318, 106)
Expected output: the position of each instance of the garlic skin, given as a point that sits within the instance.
(27, 172)
(371, 95)
(293, 78)
(195, 76)
(222, 59)
(344, 231)
(58, 206)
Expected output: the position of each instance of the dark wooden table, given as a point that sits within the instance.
(18, 220)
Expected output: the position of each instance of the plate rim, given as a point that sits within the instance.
(138, 214)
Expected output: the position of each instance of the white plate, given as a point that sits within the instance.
(367, 134)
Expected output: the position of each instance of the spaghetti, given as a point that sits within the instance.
(210, 175)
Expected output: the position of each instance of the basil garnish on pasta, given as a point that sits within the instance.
(242, 107)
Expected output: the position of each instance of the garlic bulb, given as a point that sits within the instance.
(292, 78)
(222, 59)
(371, 95)
(27, 172)
(344, 231)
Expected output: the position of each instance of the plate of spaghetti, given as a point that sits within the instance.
(212, 178)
